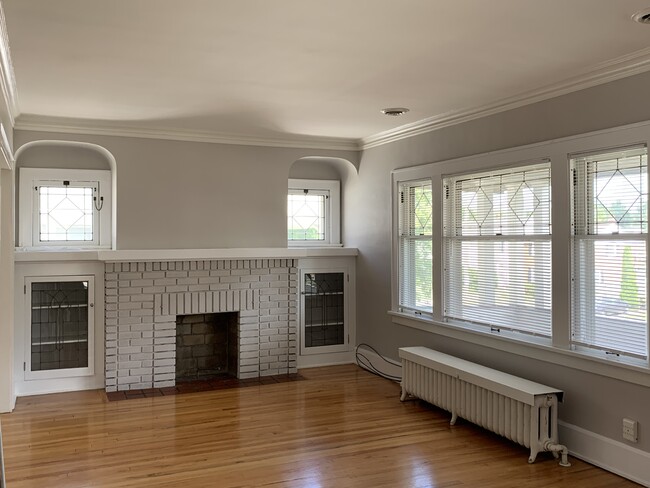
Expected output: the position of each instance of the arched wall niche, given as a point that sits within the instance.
(327, 168)
(322, 168)
(68, 155)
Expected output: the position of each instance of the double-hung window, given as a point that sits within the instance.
(415, 238)
(610, 244)
(497, 249)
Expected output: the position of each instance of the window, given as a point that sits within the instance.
(415, 228)
(539, 250)
(65, 211)
(497, 249)
(313, 209)
(64, 207)
(610, 233)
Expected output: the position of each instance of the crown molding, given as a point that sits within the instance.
(612, 70)
(7, 77)
(102, 128)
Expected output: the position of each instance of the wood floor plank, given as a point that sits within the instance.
(341, 427)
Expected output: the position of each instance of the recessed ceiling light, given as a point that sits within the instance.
(642, 17)
(394, 111)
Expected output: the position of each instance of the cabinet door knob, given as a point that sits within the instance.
(92, 305)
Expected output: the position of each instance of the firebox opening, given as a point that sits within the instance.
(206, 345)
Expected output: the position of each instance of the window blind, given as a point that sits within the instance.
(497, 249)
(415, 246)
(610, 232)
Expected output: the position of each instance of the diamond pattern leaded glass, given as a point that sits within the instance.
(508, 203)
(59, 325)
(65, 213)
(618, 193)
(306, 217)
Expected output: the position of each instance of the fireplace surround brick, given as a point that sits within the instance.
(144, 298)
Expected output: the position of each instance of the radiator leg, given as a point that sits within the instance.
(454, 417)
(404, 395)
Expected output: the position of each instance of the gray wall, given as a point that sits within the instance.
(192, 195)
(188, 195)
(593, 402)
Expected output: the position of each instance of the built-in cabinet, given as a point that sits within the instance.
(326, 311)
(60, 326)
(59, 333)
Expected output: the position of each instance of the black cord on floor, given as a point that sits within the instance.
(366, 364)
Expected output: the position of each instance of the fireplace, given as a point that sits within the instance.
(147, 302)
(206, 345)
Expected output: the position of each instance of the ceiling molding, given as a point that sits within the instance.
(618, 68)
(615, 69)
(7, 77)
(102, 128)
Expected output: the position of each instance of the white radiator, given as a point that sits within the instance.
(520, 410)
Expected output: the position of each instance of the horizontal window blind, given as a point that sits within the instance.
(497, 249)
(609, 270)
(415, 246)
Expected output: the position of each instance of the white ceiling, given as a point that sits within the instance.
(293, 68)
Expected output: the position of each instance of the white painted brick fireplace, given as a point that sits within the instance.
(143, 300)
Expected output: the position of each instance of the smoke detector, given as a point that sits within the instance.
(642, 17)
(394, 111)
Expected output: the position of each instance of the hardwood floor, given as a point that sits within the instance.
(341, 427)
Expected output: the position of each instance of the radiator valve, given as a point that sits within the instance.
(558, 449)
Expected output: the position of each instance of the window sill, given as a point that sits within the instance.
(536, 348)
(310, 244)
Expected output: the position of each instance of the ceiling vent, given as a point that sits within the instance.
(394, 111)
(642, 17)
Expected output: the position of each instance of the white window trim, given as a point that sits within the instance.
(332, 211)
(558, 350)
(27, 213)
(399, 258)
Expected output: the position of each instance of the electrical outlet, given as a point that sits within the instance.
(630, 430)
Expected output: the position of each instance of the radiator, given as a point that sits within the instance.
(520, 410)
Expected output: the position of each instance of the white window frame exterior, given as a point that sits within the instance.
(32, 178)
(407, 261)
(501, 318)
(332, 190)
(584, 278)
(558, 349)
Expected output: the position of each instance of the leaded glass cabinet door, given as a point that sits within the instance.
(323, 313)
(60, 329)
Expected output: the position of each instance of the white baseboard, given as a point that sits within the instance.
(385, 365)
(611, 455)
(328, 359)
(58, 385)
